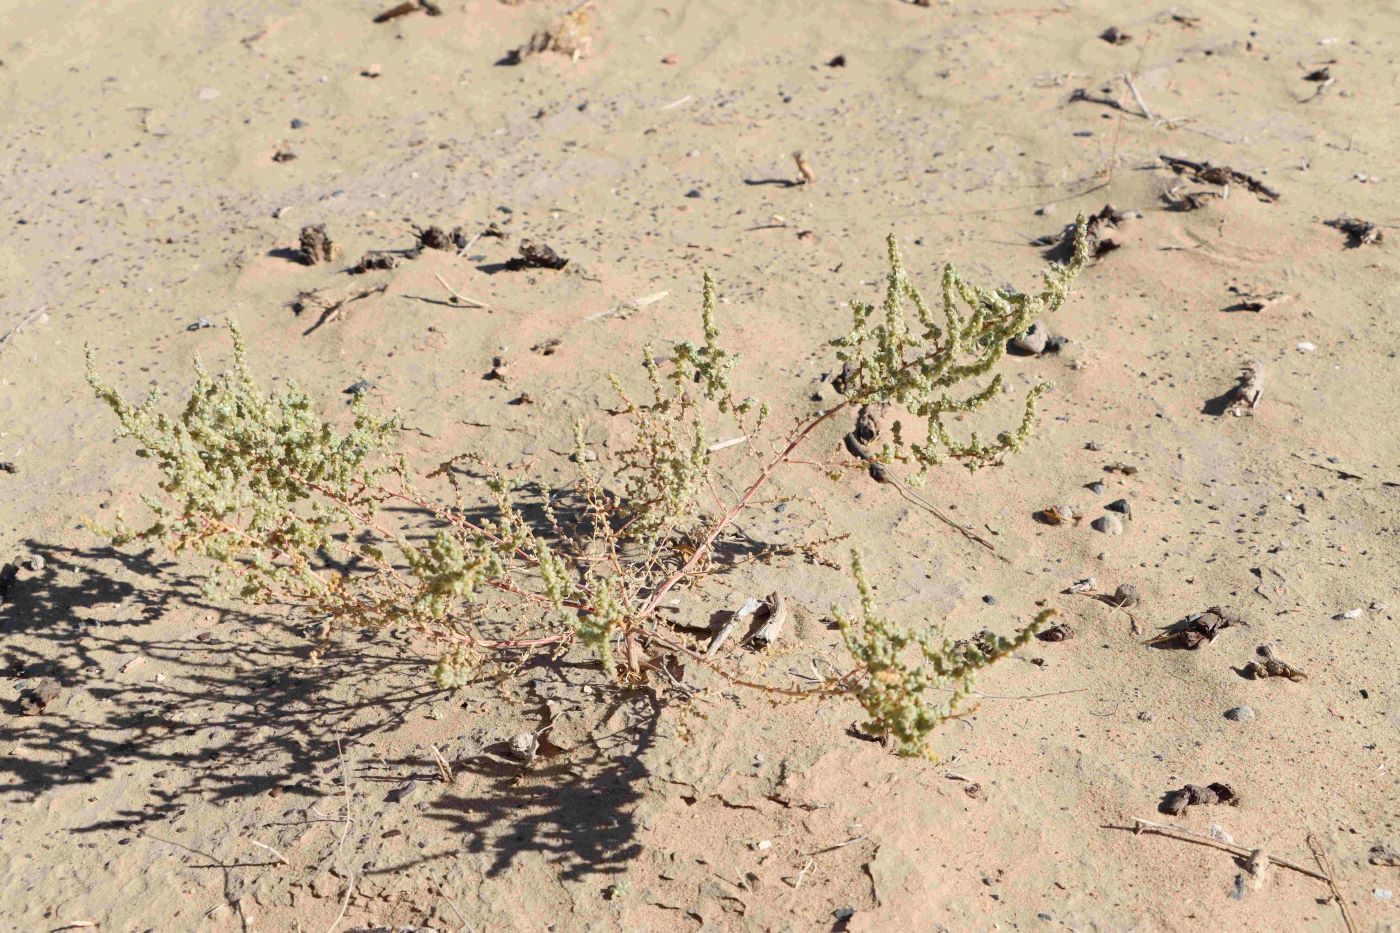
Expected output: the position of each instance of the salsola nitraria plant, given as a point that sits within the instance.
(293, 510)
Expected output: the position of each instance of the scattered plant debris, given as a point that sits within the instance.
(1249, 301)
(1271, 666)
(1360, 232)
(803, 169)
(536, 256)
(1183, 200)
(316, 245)
(571, 34)
(1060, 631)
(407, 7)
(774, 614)
(1103, 230)
(33, 701)
(1059, 515)
(434, 238)
(330, 310)
(1176, 802)
(374, 261)
(1247, 392)
(1200, 628)
(1220, 175)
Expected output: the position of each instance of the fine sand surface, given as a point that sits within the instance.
(199, 772)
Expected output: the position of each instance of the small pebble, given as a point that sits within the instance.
(209, 93)
(1121, 506)
(34, 563)
(1108, 524)
(989, 599)
(1383, 894)
(1347, 616)
(359, 387)
(1033, 340)
(844, 913)
(1092, 445)
(1096, 487)
(1239, 714)
(693, 193)
(298, 123)
(1306, 347)
(201, 324)
(1145, 716)
(373, 71)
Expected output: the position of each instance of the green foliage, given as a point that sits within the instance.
(916, 364)
(913, 682)
(290, 509)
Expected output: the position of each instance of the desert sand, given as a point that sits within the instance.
(199, 770)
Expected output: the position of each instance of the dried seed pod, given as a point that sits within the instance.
(1271, 666)
(1192, 795)
(1059, 632)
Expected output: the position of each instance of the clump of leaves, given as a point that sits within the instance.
(293, 510)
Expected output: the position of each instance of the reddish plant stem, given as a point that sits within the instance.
(796, 441)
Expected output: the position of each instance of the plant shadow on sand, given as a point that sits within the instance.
(242, 711)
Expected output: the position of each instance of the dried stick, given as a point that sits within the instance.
(745, 611)
(1325, 864)
(280, 857)
(444, 769)
(1142, 104)
(463, 299)
(1185, 835)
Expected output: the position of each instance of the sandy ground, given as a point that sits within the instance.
(198, 773)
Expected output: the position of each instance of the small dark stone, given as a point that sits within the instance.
(1096, 487)
(989, 599)
(298, 123)
(359, 387)
(844, 913)
(1092, 445)
(693, 193)
(1055, 343)
(838, 62)
(1122, 506)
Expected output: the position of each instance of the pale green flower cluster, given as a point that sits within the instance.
(916, 364)
(913, 682)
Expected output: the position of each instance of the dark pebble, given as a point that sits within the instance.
(1120, 505)
(298, 124)
(693, 193)
(989, 599)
